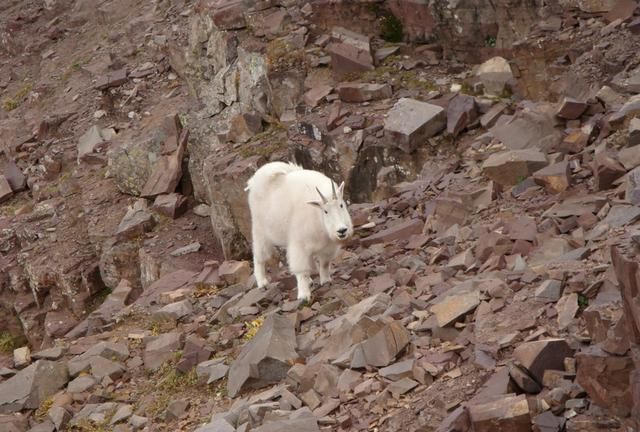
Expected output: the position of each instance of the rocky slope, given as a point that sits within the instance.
(491, 153)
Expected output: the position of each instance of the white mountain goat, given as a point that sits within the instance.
(286, 213)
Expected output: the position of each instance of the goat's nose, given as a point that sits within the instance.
(342, 231)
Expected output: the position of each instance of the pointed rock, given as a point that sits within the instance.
(554, 178)
(543, 355)
(5, 189)
(605, 379)
(350, 51)
(495, 74)
(266, 358)
(571, 109)
(30, 387)
(607, 169)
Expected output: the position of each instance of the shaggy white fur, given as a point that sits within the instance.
(302, 211)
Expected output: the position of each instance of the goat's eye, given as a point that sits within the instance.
(326, 212)
(341, 206)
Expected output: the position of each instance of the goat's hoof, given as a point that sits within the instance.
(262, 283)
(325, 281)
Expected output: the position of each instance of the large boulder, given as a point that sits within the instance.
(495, 74)
(32, 385)
(226, 179)
(410, 122)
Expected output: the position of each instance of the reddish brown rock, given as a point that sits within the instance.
(396, 232)
(506, 414)
(172, 205)
(554, 178)
(571, 109)
(233, 272)
(5, 189)
(225, 14)
(543, 355)
(266, 358)
(510, 167)
(167, 171)
(350, 51)
(14, 176)
(622, 10)
(314, 96)
(574, 142)
(606, 322)
(632, 189)
(490, 118)
(363, 92)
(461, 112)
(606, 379)
(607, 169)
(627, 269)
(241, 128)
(416, 17)
(112, 79)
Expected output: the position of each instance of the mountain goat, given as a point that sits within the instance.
(300, 210)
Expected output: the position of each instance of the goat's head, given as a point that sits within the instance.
(335, 216)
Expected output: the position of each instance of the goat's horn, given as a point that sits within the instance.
(333, 189)
(324, 200)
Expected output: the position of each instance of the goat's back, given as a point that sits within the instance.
(278, 196)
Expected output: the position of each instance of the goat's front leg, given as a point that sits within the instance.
(324, 268)
(300, 264)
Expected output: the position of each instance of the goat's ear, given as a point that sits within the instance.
(315, 203)
(341, 189)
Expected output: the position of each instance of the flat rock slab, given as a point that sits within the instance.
(363, 92)
(32, 385)
(396, 232)
(455, 306)
(411, 122)
(266, 358)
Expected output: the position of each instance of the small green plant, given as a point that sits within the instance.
(583, 301)
(391, 28)
(520, 179)
(490, 41)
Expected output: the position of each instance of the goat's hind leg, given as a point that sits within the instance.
(262, 253)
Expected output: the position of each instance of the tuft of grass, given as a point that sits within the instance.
(9, 342)
(24, 91)
(9, 104)
(205, 290)
(282, 56)
(43, 409)
(252, 328)
(168, 383)
(265, 143)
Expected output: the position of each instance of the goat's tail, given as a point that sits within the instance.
(269, 172)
